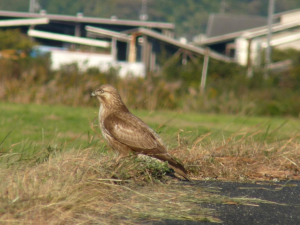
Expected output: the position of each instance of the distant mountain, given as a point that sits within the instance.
(190, 16)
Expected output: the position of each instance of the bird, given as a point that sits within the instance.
(126, 133)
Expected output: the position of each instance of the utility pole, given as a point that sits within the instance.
(31, 6)
(223, 7)
(270, 24)
(144, 15)
(204, 71)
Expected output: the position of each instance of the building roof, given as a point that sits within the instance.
(82, 19)
(261, 31)
(171, 41)
(68, 38)
(222, 24)
(282, 40)
(250, 33)
(23, 22)
(108, 33)
(278, 15)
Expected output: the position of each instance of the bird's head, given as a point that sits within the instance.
(108, 96)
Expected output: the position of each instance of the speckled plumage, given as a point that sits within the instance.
(125, 133)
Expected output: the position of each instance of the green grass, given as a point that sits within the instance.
(30, 123)
(226, 125)
(41, 123)
(55, 169)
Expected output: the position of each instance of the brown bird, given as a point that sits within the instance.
(126, 133)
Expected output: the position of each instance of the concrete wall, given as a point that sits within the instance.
(290, 17)
(241, 54)
(84, 60)
(102, 61)
(293, 44)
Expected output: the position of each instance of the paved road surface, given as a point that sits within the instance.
(286, 193)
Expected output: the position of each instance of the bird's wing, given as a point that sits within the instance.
(130, 130)
(134, 133)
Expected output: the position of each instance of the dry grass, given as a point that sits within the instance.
(246, 155)
(84, 186)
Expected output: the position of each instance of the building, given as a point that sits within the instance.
(244, 42)
(68, 40)
(131, 46)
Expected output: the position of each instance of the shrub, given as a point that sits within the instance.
(176, 86)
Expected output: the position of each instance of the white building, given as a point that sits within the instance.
(246, 45)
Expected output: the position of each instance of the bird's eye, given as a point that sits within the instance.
(101, 91)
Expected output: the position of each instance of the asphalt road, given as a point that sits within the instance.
(285, 193)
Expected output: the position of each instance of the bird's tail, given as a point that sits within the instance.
(177, 166)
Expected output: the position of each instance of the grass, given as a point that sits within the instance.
(86, 186)
(78, 187)
(40, 123)
(54, 169)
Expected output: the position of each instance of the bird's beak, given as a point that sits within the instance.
(93, 94)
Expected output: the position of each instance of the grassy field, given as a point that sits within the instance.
(29, 123)
(55, 169)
